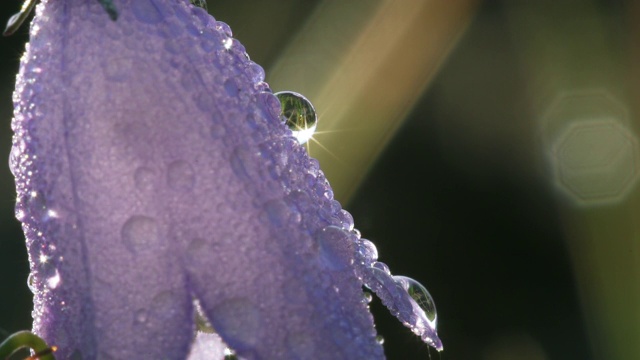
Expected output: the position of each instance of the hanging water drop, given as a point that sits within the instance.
(299, 114)
(421, 296)
(230, 354)
(380, 339)
(407, 300)
(367, 297)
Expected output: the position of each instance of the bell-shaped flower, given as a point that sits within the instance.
(155, 175)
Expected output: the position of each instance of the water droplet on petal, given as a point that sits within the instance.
(299, 114)
(408, 301)
(141, 316)
(382, 266)
(140, 232)
(240, 320)
(54, 281)
(367, 252)
(31, 283)
(346, 220)
(227, 43)
(229, 354)
(255, 72)
(380, 339)
(367, 297)
(420, 295)
(224, 28)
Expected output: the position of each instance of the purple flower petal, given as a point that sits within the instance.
(151, 171)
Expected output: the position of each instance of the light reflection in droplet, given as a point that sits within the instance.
(299, 114)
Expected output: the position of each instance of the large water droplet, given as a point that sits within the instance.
(139, 233)
(299, 114)
(380, 339)
(420, 295)
(407, 300)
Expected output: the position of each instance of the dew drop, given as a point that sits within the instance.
(382, 266)
(141, 316)
(229, 354)
(181, 175)
(299, 114)
(367, 297)
(240, 320)
(420, 295)
(367, 252)
(346, 220)
(227, 43)
(380, 339)
(255, 72)
(231, 88)
(224, 28)
(54, 281)
(31, 283)
(140, 232)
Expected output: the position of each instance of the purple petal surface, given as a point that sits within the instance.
(152, 168)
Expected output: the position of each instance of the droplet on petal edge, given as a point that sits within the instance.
(406, 299)
(299, 114)
(420, 295)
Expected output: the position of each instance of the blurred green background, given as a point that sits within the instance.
(488, 148)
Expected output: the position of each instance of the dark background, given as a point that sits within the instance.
(459, 199)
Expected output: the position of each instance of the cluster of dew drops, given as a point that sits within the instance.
(406, 298)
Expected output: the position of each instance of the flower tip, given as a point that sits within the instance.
(437, 344)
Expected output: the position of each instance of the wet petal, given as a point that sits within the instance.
(151, 171)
